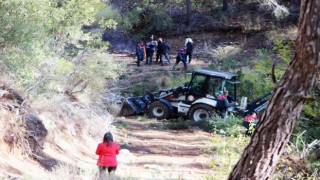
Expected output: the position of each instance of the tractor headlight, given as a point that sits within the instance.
(190, 98)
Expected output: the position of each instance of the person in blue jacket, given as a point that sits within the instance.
(150, 48)
(140, 52)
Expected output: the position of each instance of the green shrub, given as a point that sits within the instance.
(176, 124)
(40, 37)
(122, 124)
(177, 80)
(253, 84)
(225, 153)
(143, 119)
(140, 89)
(229, 126)
(146, 18)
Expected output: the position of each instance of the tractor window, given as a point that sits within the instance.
(230, 86)
(196, 86)
(203, 85)
(215, 86)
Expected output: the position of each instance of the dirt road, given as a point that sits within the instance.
(150, 151)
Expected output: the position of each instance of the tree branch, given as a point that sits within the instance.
(273, 76)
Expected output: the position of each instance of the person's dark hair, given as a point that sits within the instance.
(108, 138)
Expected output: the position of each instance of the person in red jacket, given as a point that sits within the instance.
(107, 151)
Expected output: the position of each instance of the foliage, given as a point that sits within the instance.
(253, 84)
(122, 124)
(176, 124)
(285, 50)
(145, 17)
(108, 17)
(143, 119)
(162, 82)
(310, 119)
(287, 34)
(226, 151)
(90, 72)
(279, 11)
(221, 14)
(177, 80)
(227, 58)
(299, 162)
(266, 60)
(140, 89)
(40, 39)
(226, 126)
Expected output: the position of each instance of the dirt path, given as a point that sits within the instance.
(149, 150)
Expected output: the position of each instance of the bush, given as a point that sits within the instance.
(229, 126)
(225, 152)
(177, 124)
(254, 84)
(146, 18)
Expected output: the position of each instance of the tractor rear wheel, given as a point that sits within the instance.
(158, 110)
(201, 112)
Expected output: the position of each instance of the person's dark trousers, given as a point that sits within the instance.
(149, 56)
(139, 59)
(158, 57)
(178, 59)
(112, 169)
(189, 56)
(166, 55)
(102, 172)
(184, 61)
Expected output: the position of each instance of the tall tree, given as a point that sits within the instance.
(278, 121)
(188, 5)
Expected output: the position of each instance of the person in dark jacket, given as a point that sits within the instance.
(164, 52)
(140, 52)
(181, 57)
(189, 48)
(150, 48)
(107, 151)
(158, 49)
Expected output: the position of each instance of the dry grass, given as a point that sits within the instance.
(289, 33)
(15, 135)
(219, 52)
(72, 172)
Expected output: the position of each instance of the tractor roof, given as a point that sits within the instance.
(210, 72)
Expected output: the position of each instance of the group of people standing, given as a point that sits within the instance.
(162, 48)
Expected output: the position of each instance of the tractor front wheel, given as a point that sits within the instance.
(158, 110)
(200, 112)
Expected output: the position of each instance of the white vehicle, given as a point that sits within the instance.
(198, 100)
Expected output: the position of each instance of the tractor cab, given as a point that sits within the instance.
(211, 84)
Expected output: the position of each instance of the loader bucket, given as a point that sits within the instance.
(136, 105)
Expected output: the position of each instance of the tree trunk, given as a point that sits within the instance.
(274, 130)
(188, 5)
(225, 5)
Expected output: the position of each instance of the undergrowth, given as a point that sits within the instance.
(177, 124)
(228, 141)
